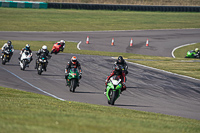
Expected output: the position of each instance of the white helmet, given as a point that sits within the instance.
(44, 47)
(196, 50)
(62, 41)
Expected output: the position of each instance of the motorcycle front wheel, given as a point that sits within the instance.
(4, 60)
(40, 69)
(113, 97)
(73, 85)
(23, 65)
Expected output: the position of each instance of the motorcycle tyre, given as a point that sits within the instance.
(4, 60)
(40, 69)
(73, 85)
(24, 65)
(113, 97)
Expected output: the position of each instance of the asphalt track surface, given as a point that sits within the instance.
(147, 89)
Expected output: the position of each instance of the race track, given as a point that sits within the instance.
(147, 89)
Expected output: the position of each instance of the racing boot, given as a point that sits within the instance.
(36, 64)
(123, 88)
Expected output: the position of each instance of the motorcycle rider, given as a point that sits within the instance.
(26, 49)
(73, 63)
(42, 52)
(197, 52)
(62, 43)
(122, 62)
(196, 55)
(6, 46)
(117, 72)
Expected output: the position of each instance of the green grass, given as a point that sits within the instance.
(34, 113)
(17, 19)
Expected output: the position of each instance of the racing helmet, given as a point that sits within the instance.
(120, 59)
(196, 50)
(44, 48)
(74, 59)
(9, 42)
(27, 47)
(62, 42)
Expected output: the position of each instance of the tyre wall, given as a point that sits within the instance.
(23, 4)
(26, 4)
(124, 7)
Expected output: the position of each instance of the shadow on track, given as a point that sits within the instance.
(28, 70)
(123, 105)
(132, 87)
(52, 75)
(88, 92)
(11, 65)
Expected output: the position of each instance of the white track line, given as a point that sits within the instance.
(33, 85)
(78, 45)
(180, 47)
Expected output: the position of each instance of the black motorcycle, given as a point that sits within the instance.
(42, 64)
(7, 55)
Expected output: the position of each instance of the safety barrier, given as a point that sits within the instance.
(124, 7)
(26, 4)
(23, 4)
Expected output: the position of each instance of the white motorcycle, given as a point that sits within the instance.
(25, 60)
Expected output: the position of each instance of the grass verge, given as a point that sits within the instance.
(24, 111)
(18, 19)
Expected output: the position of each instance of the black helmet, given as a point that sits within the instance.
(9, 42)
(120, 59)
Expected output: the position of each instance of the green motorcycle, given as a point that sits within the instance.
(113, 89)
(192, 54)
(73, 79)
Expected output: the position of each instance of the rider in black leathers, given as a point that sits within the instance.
(6, 46)
(42, 53)
(122, 62)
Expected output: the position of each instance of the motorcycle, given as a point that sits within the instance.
(6, 57)
(56, 48)
(42, 64)
(192, 54)
(73, 79)
(25, 60)
(113, 89)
